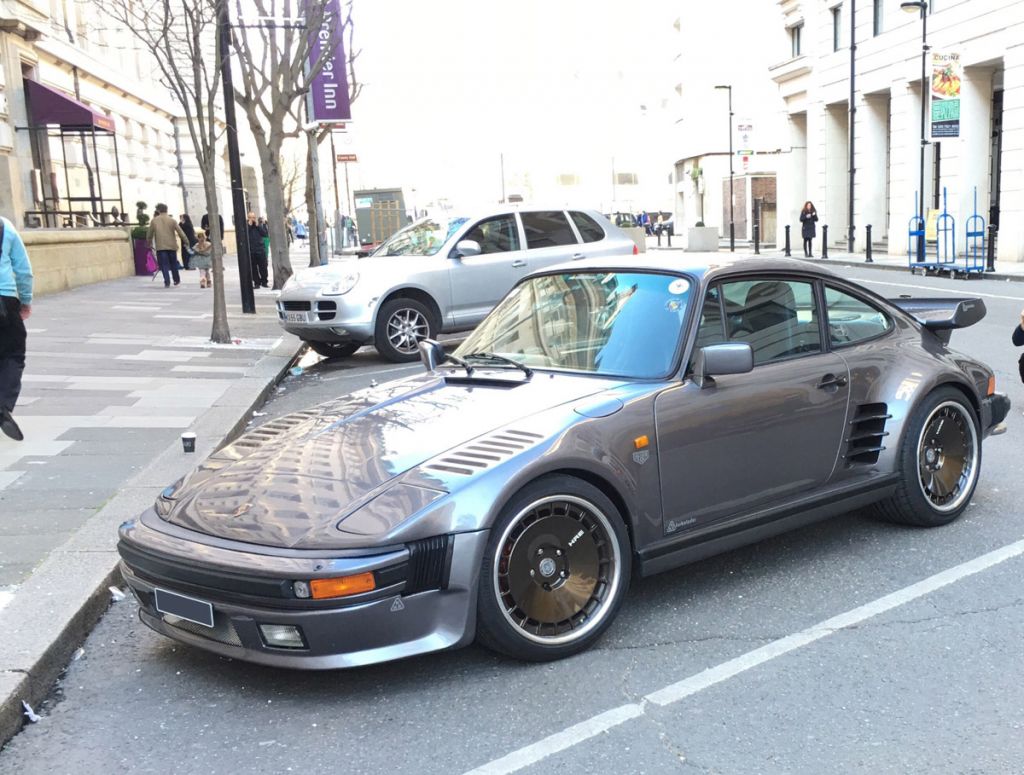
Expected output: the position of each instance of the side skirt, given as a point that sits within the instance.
(749, 529)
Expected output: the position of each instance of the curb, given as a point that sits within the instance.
(49, 617)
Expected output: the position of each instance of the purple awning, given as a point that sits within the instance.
(49, 106)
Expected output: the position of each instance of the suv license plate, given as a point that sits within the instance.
(295, 317)
(184, 607)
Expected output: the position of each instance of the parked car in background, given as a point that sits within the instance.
(610, 416)
(439, 274)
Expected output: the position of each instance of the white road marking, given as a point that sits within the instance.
(578, 733)
(6, 596)
(954, 292)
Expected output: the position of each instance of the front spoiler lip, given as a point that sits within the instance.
(395, 627)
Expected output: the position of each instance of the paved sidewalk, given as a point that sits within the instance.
(115, 373)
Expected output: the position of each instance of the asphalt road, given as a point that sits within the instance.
(924, 674)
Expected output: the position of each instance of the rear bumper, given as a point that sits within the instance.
(994, 409)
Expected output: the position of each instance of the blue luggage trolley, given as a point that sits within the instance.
(944, 259)
(974, 250)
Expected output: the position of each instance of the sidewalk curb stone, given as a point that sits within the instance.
(49, 618)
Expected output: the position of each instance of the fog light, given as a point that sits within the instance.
(282, 636)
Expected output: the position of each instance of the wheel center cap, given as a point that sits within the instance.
(547, 567)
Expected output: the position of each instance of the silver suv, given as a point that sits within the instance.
(438, 275)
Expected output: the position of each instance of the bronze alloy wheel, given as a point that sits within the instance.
(947, 456)
(405, 328)
(557, 570)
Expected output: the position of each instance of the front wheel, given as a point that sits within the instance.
(940, 459)
(555, 571)
(333, 349)
(401, 325)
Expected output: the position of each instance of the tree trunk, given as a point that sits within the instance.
(220, 331)
(273, 190)
(314, 226)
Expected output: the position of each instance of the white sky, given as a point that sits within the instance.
(555, 85)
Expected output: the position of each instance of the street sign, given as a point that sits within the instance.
(346, 157)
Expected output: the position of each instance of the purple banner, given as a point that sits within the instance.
(329, 89)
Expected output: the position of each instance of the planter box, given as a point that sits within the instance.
(702, 239)
(139, 249)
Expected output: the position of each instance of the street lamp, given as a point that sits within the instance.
(732, 224)
(921, 7)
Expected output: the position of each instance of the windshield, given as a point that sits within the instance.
(423, 238)
(612, 323)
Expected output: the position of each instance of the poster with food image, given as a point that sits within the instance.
(947, 74)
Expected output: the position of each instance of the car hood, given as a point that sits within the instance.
(287, 483)
(317, 276)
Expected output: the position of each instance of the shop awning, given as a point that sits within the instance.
(48, 106)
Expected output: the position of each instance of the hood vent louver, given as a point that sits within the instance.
(264, 433)
(867, 431)
(484, 453)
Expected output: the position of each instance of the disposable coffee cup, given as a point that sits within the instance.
(188, 442)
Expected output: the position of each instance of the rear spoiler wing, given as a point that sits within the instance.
(941, 316)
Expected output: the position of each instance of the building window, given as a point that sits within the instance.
(837, 27)
(794, 39)
(876, 28)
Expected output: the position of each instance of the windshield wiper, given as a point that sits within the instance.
(502, 359)
(457, 360)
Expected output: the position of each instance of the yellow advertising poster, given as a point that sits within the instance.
(947, 74)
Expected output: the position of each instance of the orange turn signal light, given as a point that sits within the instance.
(640, 442)
(991, 385)
(343, 586)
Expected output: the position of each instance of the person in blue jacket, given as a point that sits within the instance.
(15, 307)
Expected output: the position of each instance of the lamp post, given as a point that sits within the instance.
(732, 199)
(921, 7)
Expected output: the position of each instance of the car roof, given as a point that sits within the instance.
(700, 264)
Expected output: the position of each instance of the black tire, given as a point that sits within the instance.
(556, 570)
(939, 460)
(334, 349)
(401, 325)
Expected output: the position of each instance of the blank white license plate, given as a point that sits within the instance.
(296, 317)
(184, 607)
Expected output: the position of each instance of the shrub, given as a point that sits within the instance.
(140, 231)
(698, 224)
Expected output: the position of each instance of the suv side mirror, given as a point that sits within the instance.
(467, 247)
(721, 359)
(431, 354)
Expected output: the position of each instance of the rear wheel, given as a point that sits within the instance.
(555, 571)
(333, 349)
(940, 460)
(401, 325)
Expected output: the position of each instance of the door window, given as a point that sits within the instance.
(851, 320)
(496, 235)
(589, 229)
(547, 229)
(778, 318)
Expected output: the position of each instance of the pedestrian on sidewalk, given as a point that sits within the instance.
(15, 307)
(808, 217)
(257, 253)
(266, 237)
(201, 259)
(205, 224)
(164, 233)
(185, 222)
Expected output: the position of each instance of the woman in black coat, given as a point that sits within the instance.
(185, 221)
(808, 217)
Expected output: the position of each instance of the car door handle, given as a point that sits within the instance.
(833, 380)
(578, 256)
(518, 263)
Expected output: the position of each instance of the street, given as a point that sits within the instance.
(929, 680)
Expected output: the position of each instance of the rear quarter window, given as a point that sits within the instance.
(589, 229)
(852, 320)
(546, 229)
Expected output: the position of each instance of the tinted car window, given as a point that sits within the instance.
(547, 229)
(589, 229)
(496, 235)
(779, 318)
(851, 320)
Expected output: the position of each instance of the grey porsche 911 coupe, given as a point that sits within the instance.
(610, 417)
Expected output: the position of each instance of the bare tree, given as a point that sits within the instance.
(274, 52)
(181, 38)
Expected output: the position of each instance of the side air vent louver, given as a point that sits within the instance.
(867, 430)
(484, 453)
(428, 564)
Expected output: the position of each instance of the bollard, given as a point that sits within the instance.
(867, 249)
(788, 254)
(824, 240)
(669, 233)
(757, 239)
(990, 250)
(658, 233)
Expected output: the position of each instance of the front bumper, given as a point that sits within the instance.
(318, 318)
(398, 620)
(994, 409)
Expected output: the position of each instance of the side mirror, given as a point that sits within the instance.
(721, 359)
(467, 247)
(431, 353)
